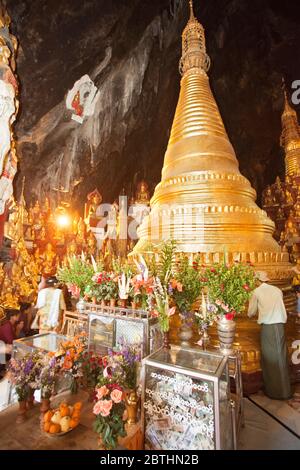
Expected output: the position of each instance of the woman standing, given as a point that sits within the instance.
(51, 306)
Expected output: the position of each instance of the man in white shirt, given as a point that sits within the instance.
(267, 300)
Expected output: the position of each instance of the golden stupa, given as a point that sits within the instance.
(290, 139)
(203, 202)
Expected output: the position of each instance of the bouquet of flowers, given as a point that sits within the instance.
(185, 289)
(92, 367)
(77, 275)
(162, 308)
(47, 377)
(229, 287)
(69, 358)
(129, 356)
(23, 374)
(110, 405)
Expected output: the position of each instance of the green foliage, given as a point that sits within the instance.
(229, 286)
(189, 279)
(78, 272)
(111, 427)
(167, 260)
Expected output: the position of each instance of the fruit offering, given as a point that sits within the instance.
(63, 419)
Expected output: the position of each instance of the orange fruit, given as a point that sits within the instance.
(47, 416)
(64, 411)
(47, 426)
(74, 422)
(76, 414)
(78, 405)
(54, 428)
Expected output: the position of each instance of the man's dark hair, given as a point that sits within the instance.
(24, 306)
(11, 312)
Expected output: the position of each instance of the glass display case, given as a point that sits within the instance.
(48, 342)
(186, 401)
(107, 325)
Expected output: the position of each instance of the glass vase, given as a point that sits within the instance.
(22, 412)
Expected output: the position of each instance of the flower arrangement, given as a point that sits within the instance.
(229, 287)
(129, 356)
(47, 376)
(69, 358)
(77, 275)
(185, 289)
(23, 373)
(110, 405)
(92, 367)
(162, 308)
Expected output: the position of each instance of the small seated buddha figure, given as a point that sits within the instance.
(280, 214)
(268, 198)
(80, 238)
(142, 194)
(49, 261)
(289, 200)
(91, 243)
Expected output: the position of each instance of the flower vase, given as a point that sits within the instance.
(80, 306)
(103, 303)
(22, 412)
(133, 305)
(131, 401)
(185, 334)
(45, 405)
(166, 340)
(226, 332)
(30, 400)
(123, 303)
(112, 303)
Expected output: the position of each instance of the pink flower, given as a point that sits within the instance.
(102, 392)
(218, 302)
(75, 291)
(179, 287)
(154, 314)
(116, 396)
(246, 287)
(103, 407)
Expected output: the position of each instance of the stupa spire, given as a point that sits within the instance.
(290, 137)
(202, 201)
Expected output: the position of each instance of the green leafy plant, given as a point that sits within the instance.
(187, 286)
(166, 262)
(229, 287)
(78, 273)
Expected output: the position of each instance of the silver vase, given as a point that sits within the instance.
(80, 306)
(185, 335)
(226, 332)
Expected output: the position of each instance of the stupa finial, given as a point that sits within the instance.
(191, 9)
(194, 56)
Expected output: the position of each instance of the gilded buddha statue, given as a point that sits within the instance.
(80, 238)
(268, 198)
(49, 261)
(142, 194)
(91, 245)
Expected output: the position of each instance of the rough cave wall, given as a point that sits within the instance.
(131, 49)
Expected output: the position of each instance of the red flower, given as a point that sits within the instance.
(212, 270)
(246, 287)
(229, 316)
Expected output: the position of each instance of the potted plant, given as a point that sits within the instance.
(124, 288)
(92, 367)
(229, 288)
(162, 309)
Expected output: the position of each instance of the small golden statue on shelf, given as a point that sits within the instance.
(280, 214)
(49, 261)
(289, 201)
(80, 238)
(91, 244)
(142, 193)
(268, 198)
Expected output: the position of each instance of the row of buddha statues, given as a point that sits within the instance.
(281, 201)
(40, 245)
